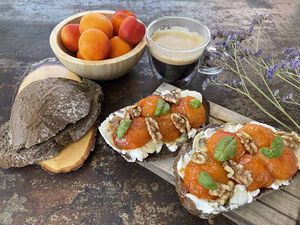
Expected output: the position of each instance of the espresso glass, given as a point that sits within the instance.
(173, 66)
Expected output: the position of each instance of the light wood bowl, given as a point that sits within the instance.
(107, 69)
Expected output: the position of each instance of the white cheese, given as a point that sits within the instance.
(194, 94)
(130, 155)
(240, 196)
(204, 205)
(231, 127)
(278, 183)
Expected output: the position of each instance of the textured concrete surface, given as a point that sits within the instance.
(107, 190)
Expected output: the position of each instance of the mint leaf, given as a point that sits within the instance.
(166, 108)
(206, 181)
(123, 127)
(225, 149)
(277, 147)
(159, 107)
(195, 103)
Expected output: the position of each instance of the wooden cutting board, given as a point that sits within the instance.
(281, 207)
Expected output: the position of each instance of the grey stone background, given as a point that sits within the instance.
(107, 190)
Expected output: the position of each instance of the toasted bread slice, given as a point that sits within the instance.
(189, 204)
(73, 156)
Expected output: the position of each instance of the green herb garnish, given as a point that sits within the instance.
(195, 103)
(123, 127)
(166, 108)
(162, 107)
(206, 181)
(276, 149)
(225, 149)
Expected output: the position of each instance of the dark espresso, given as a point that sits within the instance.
(174, 58)
(173, 72)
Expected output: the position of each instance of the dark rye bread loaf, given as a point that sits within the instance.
(46, 107)
(12, 157)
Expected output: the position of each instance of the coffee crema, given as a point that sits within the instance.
(175, 42)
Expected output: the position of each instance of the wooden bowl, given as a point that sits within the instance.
(107, 69)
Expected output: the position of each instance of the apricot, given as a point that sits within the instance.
(97, 21)
(148, 105)
(282, 167)
(69, 36)
(259, 173)
(118, 47)
(217, 136)
(262, 136)
(191, 173)
(118, 18)
(131, 30)
(196, 116)
(169, 132)
(94, 45)
(136, 136)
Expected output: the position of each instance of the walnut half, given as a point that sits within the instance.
(153, 129)
(247, 141)
(223, 191)
(290, 140)
(199, 157)
(171, 96)
(114, 123)
(237, 172)
(181, 122)
(133, 111)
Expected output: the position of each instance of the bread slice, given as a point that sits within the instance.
(73, 156)
(47, 71)
(151, 151)
(187, 202)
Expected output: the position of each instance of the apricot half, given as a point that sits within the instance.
(259, 173)
(191, 173)
(196, 116)
(148, 105)
(262, 136)
(136, 136)
(282, 167)
(217, 136)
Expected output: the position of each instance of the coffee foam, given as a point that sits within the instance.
(174, 42)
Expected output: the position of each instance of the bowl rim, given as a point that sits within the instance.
(58, 51)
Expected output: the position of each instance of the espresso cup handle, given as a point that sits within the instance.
(212, 70)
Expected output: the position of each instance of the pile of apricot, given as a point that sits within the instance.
(97, 37)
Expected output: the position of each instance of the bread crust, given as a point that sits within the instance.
(46, 165)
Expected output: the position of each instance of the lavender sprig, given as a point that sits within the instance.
(245, 58)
